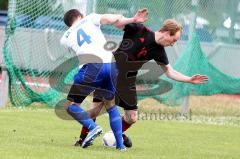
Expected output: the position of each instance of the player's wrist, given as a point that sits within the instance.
(134, 20)
(189, 80)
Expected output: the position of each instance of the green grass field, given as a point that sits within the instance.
(39, 133)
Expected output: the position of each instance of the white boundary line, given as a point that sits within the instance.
(33, 84)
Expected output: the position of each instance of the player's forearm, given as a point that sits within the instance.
(117, 20)
(124, 21)
(177, 76)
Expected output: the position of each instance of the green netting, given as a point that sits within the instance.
(193, 61)
(32, 51)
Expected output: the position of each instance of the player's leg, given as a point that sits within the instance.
(97, 107)
(115, 123)
(93, 113)
(109, 93)
(85, 120)
(78, 113)
(82, 87)
(129, 118)
(126, 97)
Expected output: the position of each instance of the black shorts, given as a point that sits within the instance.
(119, 102)
(126, 94)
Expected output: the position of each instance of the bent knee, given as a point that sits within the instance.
(132, 121)
(131, 118)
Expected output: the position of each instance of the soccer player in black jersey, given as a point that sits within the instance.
(139, 45)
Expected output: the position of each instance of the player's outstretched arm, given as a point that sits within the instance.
(120, 21)
(175, 75)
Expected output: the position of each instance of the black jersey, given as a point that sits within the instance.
(139, 45)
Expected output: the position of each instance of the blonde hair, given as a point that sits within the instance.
(172, 26)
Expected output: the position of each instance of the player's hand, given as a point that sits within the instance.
(198, 79)
(141, 15)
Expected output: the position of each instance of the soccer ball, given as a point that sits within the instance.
(109, 139)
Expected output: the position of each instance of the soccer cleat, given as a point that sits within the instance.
(127, 141)
(91, 136)
(78, 142)
(122, 149)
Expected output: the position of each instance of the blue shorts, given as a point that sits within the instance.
(98, 77)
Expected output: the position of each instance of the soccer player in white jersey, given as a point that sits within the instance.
(84, 37)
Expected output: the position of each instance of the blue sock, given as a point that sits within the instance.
(81, 116)
(116, 125)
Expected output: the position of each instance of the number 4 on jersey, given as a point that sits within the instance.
(83, 37)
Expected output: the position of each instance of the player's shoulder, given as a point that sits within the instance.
(92, 14)
(95, 18)
(132, 28)
(135, 27)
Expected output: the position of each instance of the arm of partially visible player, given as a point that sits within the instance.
(175, 75)
(120, 21)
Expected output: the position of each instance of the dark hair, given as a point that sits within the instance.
(70, 16)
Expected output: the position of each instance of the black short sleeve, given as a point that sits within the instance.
(160, 56)
(133, 28)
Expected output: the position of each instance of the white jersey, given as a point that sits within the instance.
(86, 37)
